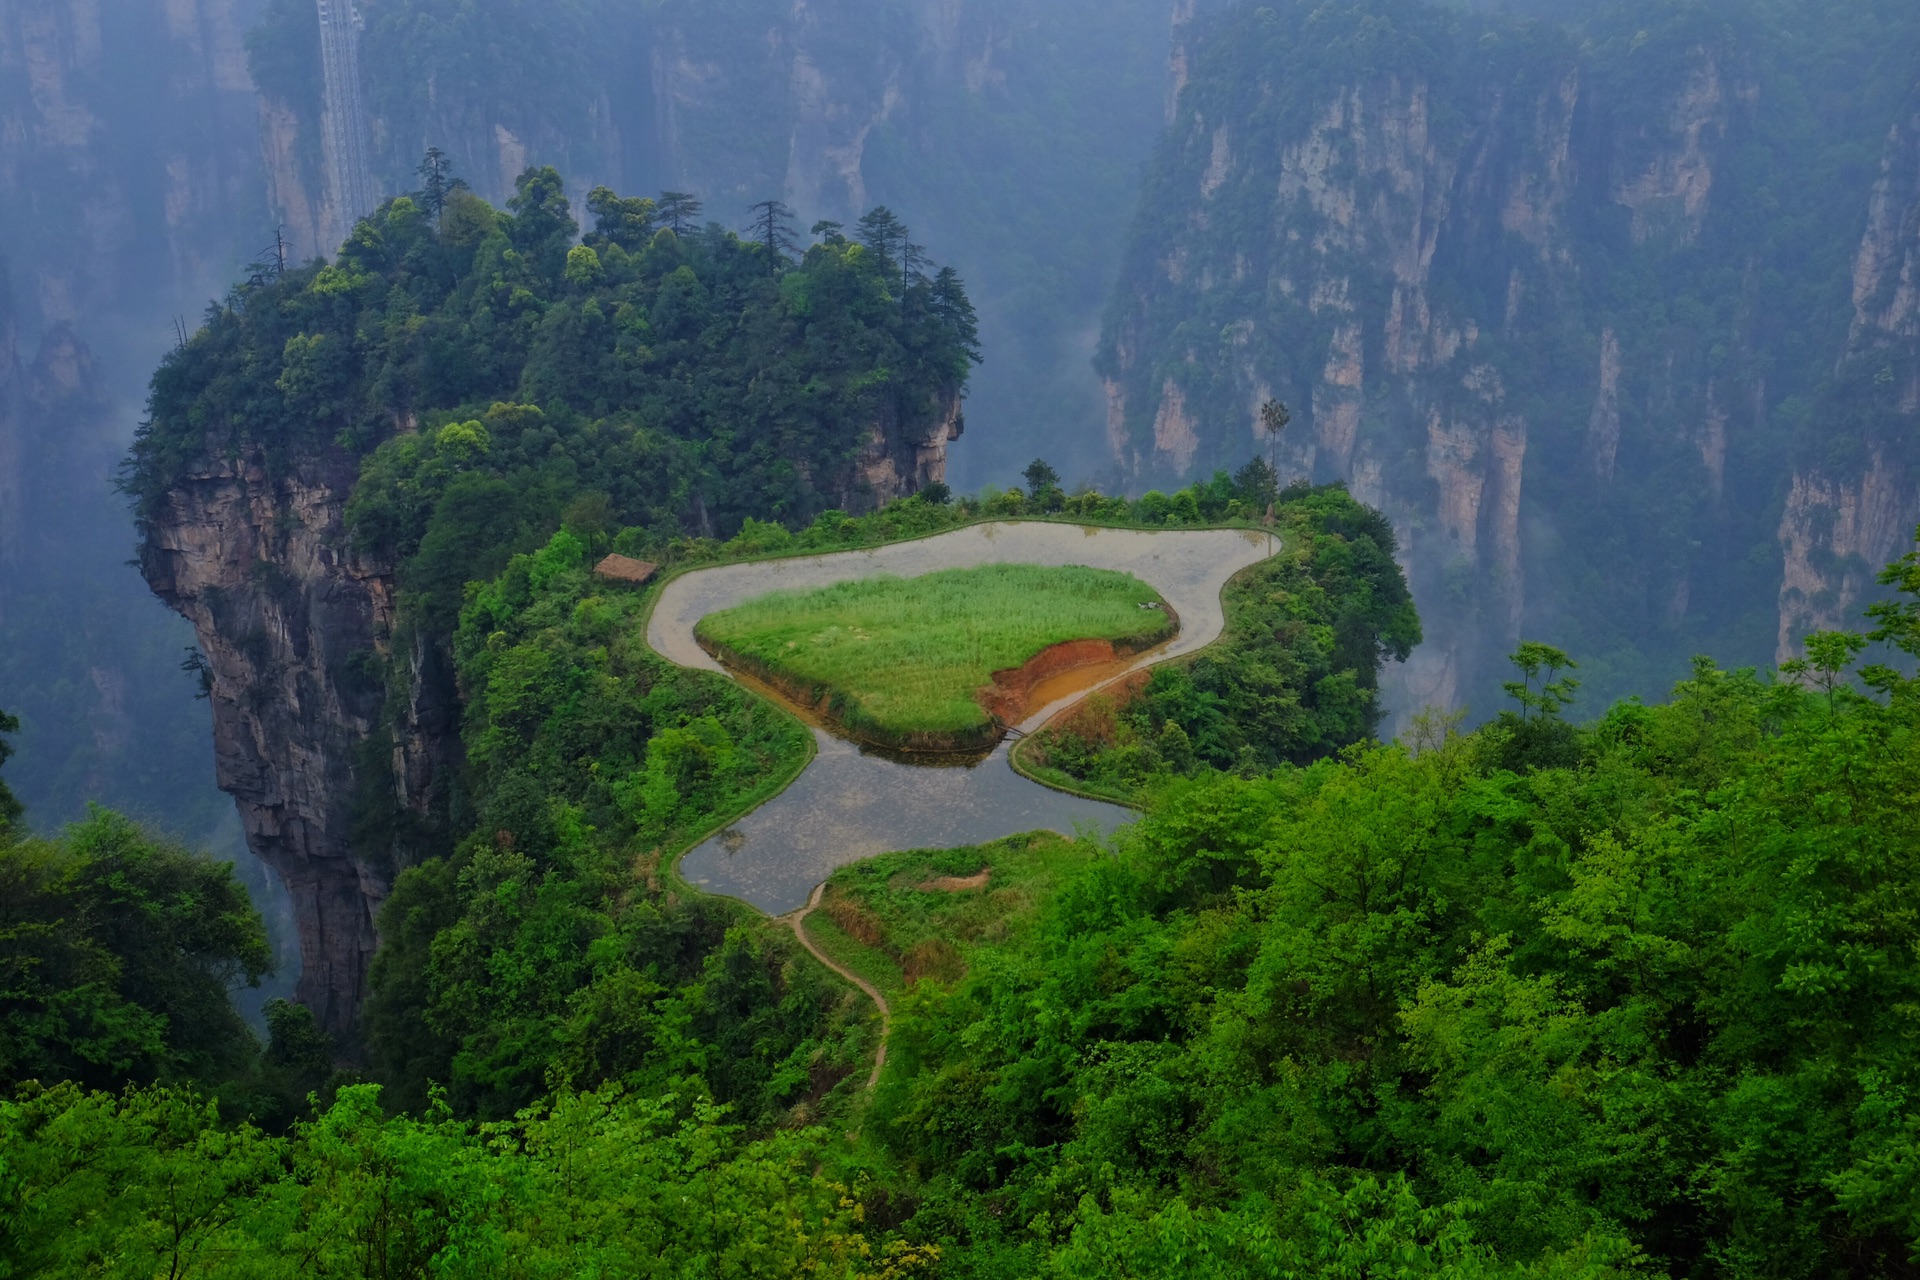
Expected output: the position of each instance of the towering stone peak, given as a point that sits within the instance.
(288, 621)
(1534, 293)
(1847, 516)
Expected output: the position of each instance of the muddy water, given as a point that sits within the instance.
(851, 804)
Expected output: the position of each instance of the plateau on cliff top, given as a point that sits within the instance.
(925, 663)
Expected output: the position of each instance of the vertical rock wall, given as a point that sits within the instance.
(1847, 517)
(129, 194)
(1534, 294)
(296, 630)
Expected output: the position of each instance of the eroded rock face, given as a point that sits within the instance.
(1532, 316)
(902, 458)
(300, 632)
(294, 627)
(1842, 523)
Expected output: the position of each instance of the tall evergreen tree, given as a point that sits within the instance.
(772, 227)
(883, 232)
(679, 211)
(436, 182)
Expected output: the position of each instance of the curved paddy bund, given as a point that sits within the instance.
(848, 805)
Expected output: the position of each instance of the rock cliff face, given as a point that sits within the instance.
(128, 153)
(904, 458)
(1844, 519)
(295, 628)
(301, 635)
(1526, 292)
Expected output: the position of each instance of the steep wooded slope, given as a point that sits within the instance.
(343, 448)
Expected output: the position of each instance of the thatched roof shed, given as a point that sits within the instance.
(618, 568)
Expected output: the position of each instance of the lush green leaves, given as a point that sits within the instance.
(118, 956)
(1295, 676)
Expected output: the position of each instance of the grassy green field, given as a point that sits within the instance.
(902, 918)
(901, 659)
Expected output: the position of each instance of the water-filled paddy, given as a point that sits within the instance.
(849, 805)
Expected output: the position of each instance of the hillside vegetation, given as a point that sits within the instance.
(490, 369)
(1622, 999)
(905, 660)
(1294, 676)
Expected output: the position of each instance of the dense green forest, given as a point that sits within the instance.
(1631, 997)
(1009, 132)
(1295, 677)
(685, 374)
(1548, 999)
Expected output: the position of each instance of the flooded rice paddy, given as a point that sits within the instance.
(850, 803)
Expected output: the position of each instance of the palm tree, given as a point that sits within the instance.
(1274, 418)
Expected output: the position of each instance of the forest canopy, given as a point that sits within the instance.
(1633, 1006)
(692, 377)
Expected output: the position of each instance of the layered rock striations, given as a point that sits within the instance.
(1851, 510)
(1567, 305)
(296, 630)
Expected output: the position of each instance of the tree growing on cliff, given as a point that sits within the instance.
(679, 211)
(1274, 417)
(882, 232)
(10, 808)
(436, 182)
(626, 221)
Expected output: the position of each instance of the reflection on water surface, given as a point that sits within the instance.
(850, 805)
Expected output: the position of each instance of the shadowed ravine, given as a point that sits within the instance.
(851, 804)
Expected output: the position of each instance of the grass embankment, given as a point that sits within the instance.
(906, 917)
(904, 661)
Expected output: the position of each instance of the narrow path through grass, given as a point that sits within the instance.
(799, 919)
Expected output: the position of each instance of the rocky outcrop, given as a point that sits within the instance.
(128, 152)
(12, 469)
(902, 457)
(1533, 315)
(296, 630)
(1841, 523)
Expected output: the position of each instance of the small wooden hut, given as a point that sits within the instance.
(618, 568)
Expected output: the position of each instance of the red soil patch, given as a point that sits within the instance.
(957, 884)
(1096, 718)
(1007, 697)
(855, 921)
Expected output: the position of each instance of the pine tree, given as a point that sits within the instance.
(679, 211)
(773, 229)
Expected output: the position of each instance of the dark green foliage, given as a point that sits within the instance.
(1642, 1012)
(1294, 678)
(545, 949)
(150, 1184)
(677, 375)
(118, 955)
(1407, 1012)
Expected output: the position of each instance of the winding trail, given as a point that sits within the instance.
(847, 805)
(799, 921)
